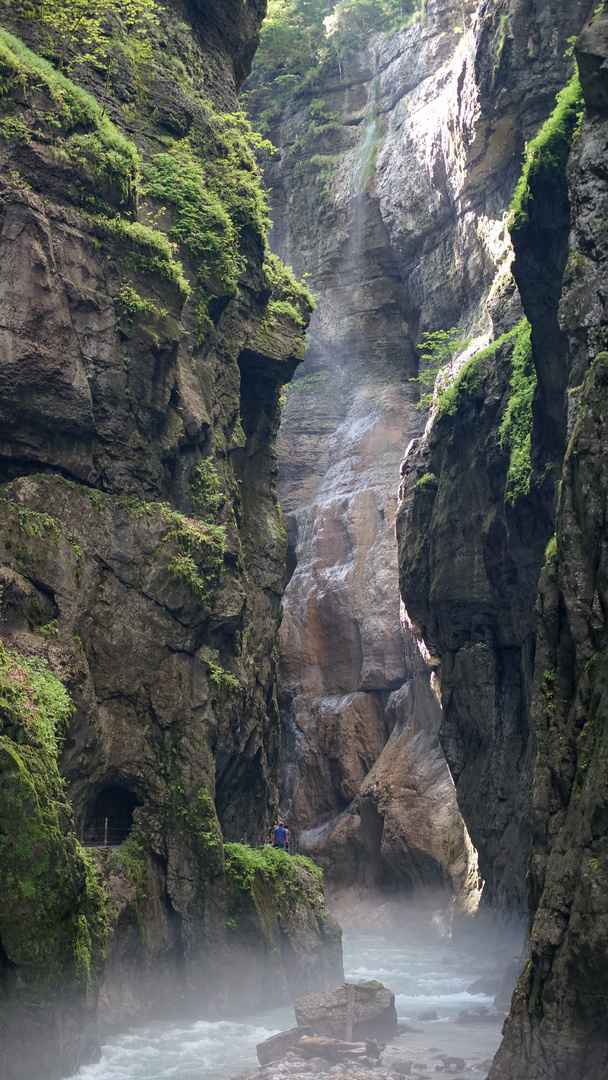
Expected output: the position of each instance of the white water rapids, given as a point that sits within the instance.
(423, 976)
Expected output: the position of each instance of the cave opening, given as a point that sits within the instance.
(109, 819)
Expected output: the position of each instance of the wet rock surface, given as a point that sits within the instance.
(157, 607)
(396, 1061)
(416, 247)
(557, 1023)
(373, 1011)
(469, 560)
(469, 565)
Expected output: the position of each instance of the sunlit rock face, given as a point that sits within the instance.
(398, 213)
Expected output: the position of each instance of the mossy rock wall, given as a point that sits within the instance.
(281, 935)
(559, 1014)
(146, 334)
(52, 908)
(472, 527)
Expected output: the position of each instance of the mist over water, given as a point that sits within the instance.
(203, 1050)
(426, 977)
(405, 946)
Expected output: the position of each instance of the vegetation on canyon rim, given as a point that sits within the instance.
(546, 154)
(548, 151)
(209, 179)
(77, 32)
(304, 39)
(267, 880)
(438, 348)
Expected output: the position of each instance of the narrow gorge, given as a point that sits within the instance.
(275, 276)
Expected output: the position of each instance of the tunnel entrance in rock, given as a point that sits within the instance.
(109, 819)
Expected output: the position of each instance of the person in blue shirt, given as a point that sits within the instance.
(279, 836)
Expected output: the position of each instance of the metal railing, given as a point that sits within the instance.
(102, 834)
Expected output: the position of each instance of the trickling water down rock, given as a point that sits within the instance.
(398, 210)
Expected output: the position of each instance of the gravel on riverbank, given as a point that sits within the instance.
(396, 1063)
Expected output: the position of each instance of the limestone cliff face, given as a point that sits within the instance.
(144, 337)
(357, 730)
(471, 548)
(557, 1025)
(469, 563)
(393, 194)
(559, 1015)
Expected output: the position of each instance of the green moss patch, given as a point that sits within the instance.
(198, 546)
(205, 490)
(548, 152)
(145, 250)
(473, 372)
(212, 186)
(210, 181)
(73, 121)
(193, 820)
(248, 869)
(52, 910)
(516, 424)
(202, 223)
(427, 482)
(288, 296)
(515, 432)
(32, 694)
(220, 679)
(131, 304)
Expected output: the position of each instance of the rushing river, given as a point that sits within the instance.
(423, 976)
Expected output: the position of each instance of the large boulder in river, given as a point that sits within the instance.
(375, 1016)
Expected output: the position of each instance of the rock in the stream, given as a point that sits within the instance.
(480, 1014)
(374, 1016)
(278, 1046)
(487, 984)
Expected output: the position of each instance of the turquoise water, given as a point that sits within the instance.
(422, 976)
(426, 976)
(204, 1050)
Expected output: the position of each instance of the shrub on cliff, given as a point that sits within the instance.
(247, 869)
(85, 31)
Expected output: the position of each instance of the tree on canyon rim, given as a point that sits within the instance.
(301, 39)
(440, 347)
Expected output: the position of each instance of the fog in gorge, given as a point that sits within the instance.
(303, 508)
(435, 967)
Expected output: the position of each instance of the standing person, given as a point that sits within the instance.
(287, 837)
(279, 836)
